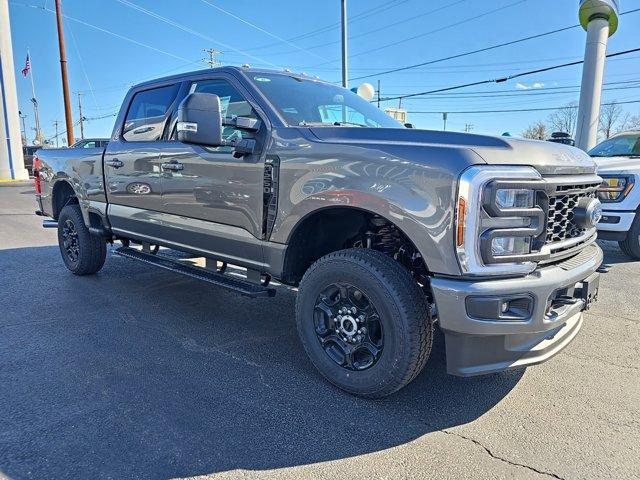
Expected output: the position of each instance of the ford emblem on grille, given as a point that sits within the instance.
(588, 212)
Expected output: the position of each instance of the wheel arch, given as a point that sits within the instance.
(62, 194)
(329, 229)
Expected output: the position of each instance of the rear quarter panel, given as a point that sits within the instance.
(81, 168)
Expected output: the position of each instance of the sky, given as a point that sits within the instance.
(112, 44)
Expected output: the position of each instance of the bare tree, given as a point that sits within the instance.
(564, 119)
(629, 122)
(536, 131)
(609, 116)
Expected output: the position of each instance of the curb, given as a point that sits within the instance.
(16, 183)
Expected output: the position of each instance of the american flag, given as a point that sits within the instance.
(27, 67)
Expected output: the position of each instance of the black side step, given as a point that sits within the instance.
(237, 285)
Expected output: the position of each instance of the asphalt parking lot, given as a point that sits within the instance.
(139, 373)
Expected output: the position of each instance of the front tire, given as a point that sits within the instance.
(631, 245)
(82, 253)
(364, 322)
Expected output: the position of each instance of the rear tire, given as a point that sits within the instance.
(631, 245)
(82, 253)
(387, 298)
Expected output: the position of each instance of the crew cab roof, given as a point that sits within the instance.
(225, 69)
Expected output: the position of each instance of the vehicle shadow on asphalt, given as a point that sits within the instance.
(136, 372)
(612, 253)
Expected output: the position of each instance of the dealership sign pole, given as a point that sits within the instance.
(600, 19)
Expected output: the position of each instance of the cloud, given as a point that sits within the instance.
(524, 86)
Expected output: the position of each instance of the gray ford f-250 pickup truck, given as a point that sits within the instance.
(385, 231)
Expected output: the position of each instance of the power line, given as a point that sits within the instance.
(103, 30)
(327, 28)
(246, 22)
(431, 32)
(513, 110)
(506, 78)
(480, 50)
(522, 93)
(190, 30)
(376, 30)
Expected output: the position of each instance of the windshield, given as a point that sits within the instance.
(307, 102)
(620, 146)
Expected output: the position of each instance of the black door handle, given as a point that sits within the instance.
(115, 163)
(174, 166)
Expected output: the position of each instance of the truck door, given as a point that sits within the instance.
(132, 162)
(220, 194)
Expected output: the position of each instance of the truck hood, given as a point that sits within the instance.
(617, 165)
(547, 157)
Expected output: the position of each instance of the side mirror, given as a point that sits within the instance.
(409, 125)
(200, 120)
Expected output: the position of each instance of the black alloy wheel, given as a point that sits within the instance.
(70, 240)
(348, 327)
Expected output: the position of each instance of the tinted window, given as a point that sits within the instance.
(620, 146)
(232, 104)
(303, 101)
(147, 114)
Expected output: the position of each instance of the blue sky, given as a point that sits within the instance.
(113, 43)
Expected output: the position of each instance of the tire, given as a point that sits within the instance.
(82, 253)
(401, 314)
(631, 245)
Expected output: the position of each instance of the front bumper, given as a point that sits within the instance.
(478, 346)
(616, 221)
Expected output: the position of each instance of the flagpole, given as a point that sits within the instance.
(36, 115)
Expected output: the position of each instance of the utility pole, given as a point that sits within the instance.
(468, 127)
(212, 62)
(65, 80)
(81, 117)
(378, 92)
(444, 119)
(345, 76)
(600, 19)
(24, 127)
(55, 123)
(11, 160)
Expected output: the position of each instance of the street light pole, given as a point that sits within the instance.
(24, 127)
(65, 80)
(345, 77)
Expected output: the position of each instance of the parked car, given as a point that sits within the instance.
(27, 154)
(385, 231)
(618, 160)
(91, 143)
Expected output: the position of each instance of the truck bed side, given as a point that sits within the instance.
(80, 169)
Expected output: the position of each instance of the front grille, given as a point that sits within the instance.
(560, 224)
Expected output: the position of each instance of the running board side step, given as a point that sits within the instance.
(240, 286)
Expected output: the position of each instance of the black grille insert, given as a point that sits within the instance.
(560, 224)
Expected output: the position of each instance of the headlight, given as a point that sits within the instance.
(615, 188)
(514, 198)
(499, 224)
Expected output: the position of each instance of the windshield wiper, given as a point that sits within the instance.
(328, 124)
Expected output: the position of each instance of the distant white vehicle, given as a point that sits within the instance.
(618, 160)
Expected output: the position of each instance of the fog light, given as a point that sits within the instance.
(501, 246)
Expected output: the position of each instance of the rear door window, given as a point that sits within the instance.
(148, 113)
